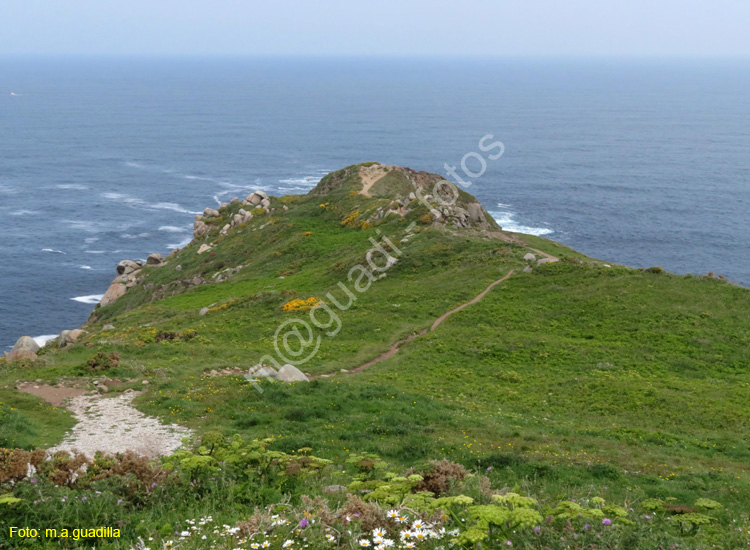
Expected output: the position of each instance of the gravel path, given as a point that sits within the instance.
(113, 425)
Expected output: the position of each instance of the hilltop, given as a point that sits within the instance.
(427, 332)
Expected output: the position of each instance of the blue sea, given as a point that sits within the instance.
(634, 161)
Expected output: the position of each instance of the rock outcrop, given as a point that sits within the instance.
(287, 373)
(25, 348)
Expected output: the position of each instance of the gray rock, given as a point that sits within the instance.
(235, 200)
(254, 198)
(211, 213)
(528, 269)
(266, 203)
(224, 205)
(203, 311)
(155, 259)
(290, 373)
(200, 228)
(68, 337)
(529, 257)
(108, 327)
(25, 348)
(225, 229)
(115, 291)
(126, 267)
(265, 372)
(332, 489)
(475, 213)
(204, 248)
(178, 268)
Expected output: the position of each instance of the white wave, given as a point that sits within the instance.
(85, 267)
(95, 251)
(114, 196)
(134, 164)
(136, 202)
(138, 236)
(23, 212)
(90, 240)
(52, 250)
(507, 221)
(43, 339)
(5, 190)
(170, 206)
(83, 225)
(182, 244)
(90, 299)
(173, 229)
(73, 186)
(307, 182)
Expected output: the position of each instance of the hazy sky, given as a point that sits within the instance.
(384, 27)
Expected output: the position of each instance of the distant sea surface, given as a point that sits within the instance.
(637, 162)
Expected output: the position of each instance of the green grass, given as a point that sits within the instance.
(571, 377)
(28, 422)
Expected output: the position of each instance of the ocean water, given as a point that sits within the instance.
(638, 162)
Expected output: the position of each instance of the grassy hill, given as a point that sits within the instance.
(579, 377)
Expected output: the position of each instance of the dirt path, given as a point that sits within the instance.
(54, 395)
(474, 300)
(397, 345)
(113, 425)
(371, 174)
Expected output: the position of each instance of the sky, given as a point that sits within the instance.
(383, 28)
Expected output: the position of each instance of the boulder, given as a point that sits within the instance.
(290, 373)
(547, 261)
(155, 259)
(203, 311)
(115, 290)
(528, 269)
(68, 337)
(476, 213)
(204, 248)
(529, 257)
(224, 205)
(108, 327)
(199, 228)
(238, 219)
(211, 213)
(25, 348)
(126, 267)
(225, 229)
(235, 200)
(265, 203)
(257, 197)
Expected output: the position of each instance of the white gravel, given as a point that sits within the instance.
(113, 425)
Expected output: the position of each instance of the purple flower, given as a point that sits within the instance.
(153, 485)
(647, 516)
(356, 515)
(213, 479)
(509, 543)
(489, 469)
(36, 502)
(119, 502)
(303, 523)
(83, 499)
(586, 527)
(537, 529)
(33, 480)
(606, 521)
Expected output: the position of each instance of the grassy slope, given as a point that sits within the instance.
(570, 367)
